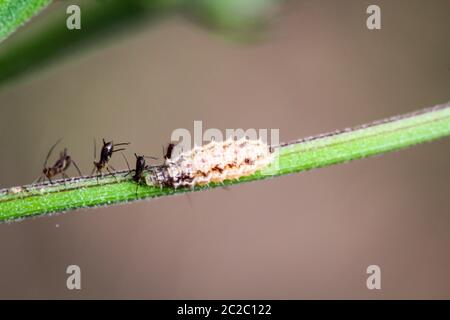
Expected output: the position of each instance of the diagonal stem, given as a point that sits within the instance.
(314, 152)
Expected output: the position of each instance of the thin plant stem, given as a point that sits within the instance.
(314, 152)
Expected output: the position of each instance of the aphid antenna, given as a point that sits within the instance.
(119, 144)
(118, 150)
(76, 166)
(50, 152)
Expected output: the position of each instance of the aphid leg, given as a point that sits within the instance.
(95, 150)
(65, 178)
(129, 172)
(76, 166)
(39, 179)
(95, 170)
(112, 173)
(128, 165)
(126, 161)
(97, 173)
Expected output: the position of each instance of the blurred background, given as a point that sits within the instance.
(313, 67)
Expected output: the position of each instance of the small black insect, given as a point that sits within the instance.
(168, 153)
(105, 156)
(141, 166)
(60, 167)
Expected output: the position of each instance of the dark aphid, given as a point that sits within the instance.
(141, 166)
(105, 156)
(168, 153)
(159, 174)
(60, 167)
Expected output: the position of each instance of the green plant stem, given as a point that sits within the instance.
(50, 40)
(14, 13)
(315, 152)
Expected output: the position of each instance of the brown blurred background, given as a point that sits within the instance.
(309, 235)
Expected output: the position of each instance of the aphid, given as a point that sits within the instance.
(105, 156)
(141, 166)
(214, 162)
(60, 167)
(168, 153)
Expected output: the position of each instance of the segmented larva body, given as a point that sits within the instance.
(214, 162)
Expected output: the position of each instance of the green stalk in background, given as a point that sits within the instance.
(323, 150)
(50, 40)
(14, 13)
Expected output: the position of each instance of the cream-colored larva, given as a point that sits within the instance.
(15, 190)
(214, 162)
